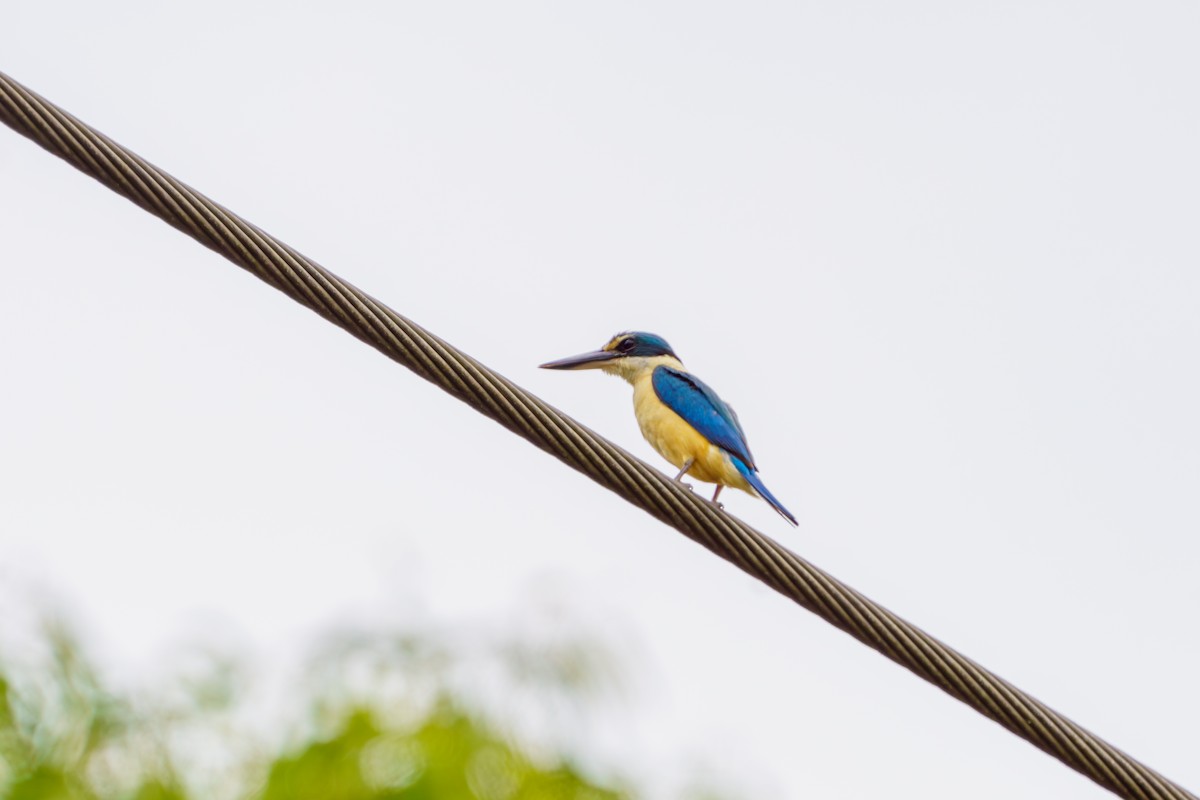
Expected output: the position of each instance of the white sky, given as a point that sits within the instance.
(941, 257)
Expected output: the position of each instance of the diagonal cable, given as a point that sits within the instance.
(490, 393)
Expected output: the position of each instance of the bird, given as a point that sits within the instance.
(680, 415)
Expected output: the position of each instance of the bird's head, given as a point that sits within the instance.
(626, 354)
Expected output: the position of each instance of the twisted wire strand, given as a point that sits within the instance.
(529, 417)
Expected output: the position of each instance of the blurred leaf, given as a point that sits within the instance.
(327, 770)
(158, 791)
(45, 783)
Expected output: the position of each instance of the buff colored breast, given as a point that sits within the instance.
(677, 441)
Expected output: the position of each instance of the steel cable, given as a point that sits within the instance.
(490, 393)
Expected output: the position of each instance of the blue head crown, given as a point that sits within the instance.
(639, 343)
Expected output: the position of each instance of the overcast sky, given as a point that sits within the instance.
(942, 257)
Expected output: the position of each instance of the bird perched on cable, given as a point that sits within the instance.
(681, 417)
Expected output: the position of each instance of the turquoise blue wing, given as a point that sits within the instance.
(700, 407)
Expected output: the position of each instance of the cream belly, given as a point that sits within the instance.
(677, 441)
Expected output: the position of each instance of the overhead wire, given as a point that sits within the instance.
(492, 394)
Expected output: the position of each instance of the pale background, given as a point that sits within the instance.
(942, 257)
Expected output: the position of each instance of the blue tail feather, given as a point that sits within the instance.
(752, 477)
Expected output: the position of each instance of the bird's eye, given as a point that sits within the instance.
(625, 345)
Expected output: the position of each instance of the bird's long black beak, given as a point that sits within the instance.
(583, 361)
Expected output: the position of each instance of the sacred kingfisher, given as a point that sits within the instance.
(680, 416)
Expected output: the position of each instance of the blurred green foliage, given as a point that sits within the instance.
(449, 755)
(381, 718)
